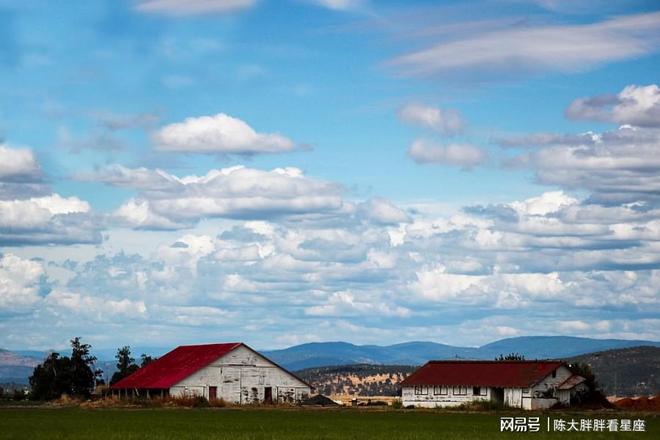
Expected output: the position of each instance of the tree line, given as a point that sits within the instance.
(76, 375)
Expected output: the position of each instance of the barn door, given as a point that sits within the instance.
(268, 394)
(213, 393)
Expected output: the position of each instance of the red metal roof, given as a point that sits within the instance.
(501, 374)
(175, 366)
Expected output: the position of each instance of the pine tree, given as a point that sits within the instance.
(125, 364)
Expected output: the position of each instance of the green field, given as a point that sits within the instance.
(237, 424)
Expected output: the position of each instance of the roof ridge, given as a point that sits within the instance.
(211, 343)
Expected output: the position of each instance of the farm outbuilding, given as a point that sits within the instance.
(519, 384)
(233, 372)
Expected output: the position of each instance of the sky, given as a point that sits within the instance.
(282, 172)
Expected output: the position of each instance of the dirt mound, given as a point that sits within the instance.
(639, 403)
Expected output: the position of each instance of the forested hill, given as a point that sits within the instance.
(625, 372)
(361, 379)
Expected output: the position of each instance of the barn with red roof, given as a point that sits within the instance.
(233, 372)
(519, 384)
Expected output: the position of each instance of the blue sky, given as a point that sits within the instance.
(307, 170)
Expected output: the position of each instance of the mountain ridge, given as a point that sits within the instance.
(320, 354)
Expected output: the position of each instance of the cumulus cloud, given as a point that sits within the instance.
(564, 48)
(634, 105)
(193, 7)
(95, 307)
(585, 257)
(496, 290)
(31, 214)
(382, 211)
(167, 201)
(462, 155)
(621, 166)
(447, 121)
(219, 134)
(345, 304)
(19, 283)
(49, 219)
(18, 165)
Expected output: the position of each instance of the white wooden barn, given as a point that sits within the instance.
(518, 384)
(233, 372)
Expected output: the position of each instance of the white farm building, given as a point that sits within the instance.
(233, 372)
(519, 384)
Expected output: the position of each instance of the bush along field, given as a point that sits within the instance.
(294, 423)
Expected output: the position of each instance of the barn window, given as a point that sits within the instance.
(420, 390)
(440, 390)
(460, 391)
(525, 391)
(478, 391)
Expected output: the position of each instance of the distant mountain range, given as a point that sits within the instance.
(16, 366)
(319, 354)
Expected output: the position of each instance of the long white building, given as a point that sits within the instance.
(233, 372)
(518, 384)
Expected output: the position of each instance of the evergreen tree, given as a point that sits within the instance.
(146, 360)
(510, 357)
(59, 375)
(125, 364)
(82, 369)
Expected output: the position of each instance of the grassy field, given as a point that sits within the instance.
(239, 424)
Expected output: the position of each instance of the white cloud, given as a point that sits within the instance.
(193, 7)
(18, 164)
(19, 283)
(37, 212)
(94, 307)
(546, 203)
(167, 201)
(617, 167)
(382, 211)
(564, 48)
(346, 304)
(634, 105)
(30, 213)
(461, 155)
(47, 220)
(447, 121)
(219, 134)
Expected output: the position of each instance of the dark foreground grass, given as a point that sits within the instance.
(239, 424)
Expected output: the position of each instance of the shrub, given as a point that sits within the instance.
(397, 404)
(200, 402)
(217, 403)
(482, 405)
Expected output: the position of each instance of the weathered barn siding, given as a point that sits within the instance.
(551, 383)
(435, 396)
(514, 396)
(242, 376)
